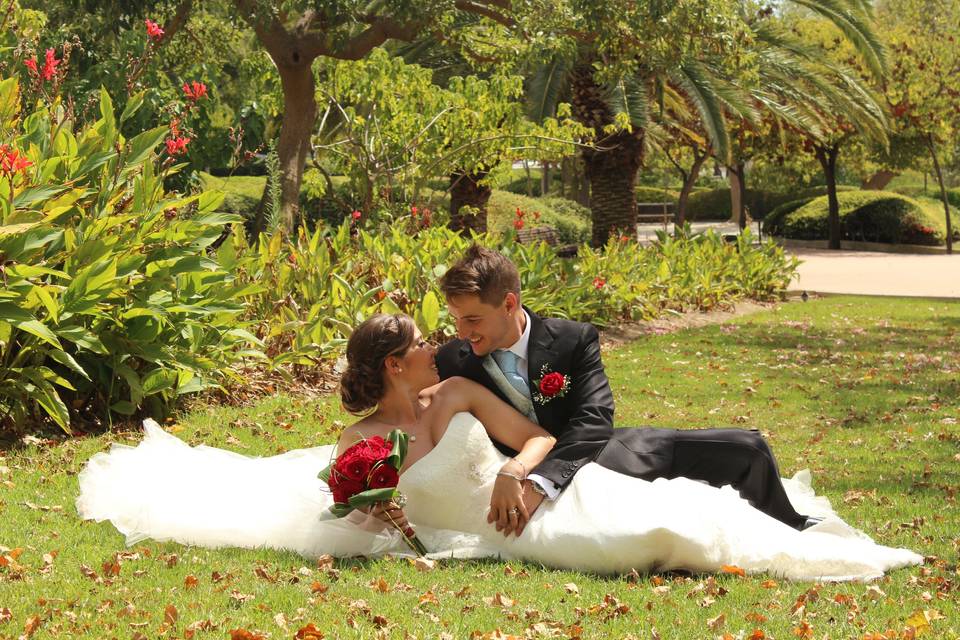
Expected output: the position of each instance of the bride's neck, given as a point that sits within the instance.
(399, 408)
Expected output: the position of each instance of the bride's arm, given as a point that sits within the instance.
(510, 427)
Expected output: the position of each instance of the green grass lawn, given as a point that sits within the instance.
(863, 391)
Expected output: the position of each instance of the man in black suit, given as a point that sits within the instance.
(550, 369)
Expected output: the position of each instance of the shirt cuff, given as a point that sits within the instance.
(547, 485)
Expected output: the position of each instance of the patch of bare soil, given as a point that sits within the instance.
(615, 336)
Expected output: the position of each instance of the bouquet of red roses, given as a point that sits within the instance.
(368, 473)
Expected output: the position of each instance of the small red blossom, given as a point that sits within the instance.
(50, 65)
(31, 64)
(599, 283)
(175, 127)
(520, 212)
(12, 161)
(414, 211)
(194, 91)
(177, 146)
(153, 29)
(551, 384)
(518, 224)
(356, 215)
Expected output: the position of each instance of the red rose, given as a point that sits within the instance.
(384, 476)
(552, 384)
(343, 487)
(378, 447)
(355, 464)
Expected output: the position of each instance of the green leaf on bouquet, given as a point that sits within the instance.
(398, 452)
(372, 496)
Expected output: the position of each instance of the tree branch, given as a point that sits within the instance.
(179, 19)
(478, 8)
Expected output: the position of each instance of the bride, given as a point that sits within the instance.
(460, 490)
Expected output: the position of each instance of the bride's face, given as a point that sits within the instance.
(418, 364)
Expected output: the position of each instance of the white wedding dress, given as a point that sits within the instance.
(603, 522)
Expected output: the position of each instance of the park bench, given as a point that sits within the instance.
(655, 212)
(551, 236)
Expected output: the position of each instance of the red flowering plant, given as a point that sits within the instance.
(550, 385)
(367, 473)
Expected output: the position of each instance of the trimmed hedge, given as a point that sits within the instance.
(871, 216)
(714, 204)
(653, 194)
(571, 220)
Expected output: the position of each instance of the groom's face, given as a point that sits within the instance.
(486, 327)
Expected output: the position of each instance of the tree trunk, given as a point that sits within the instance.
(611, 166)
(299, 117)
(879, 180)
(738, 194)
(544, 178)
(943, 191)
(612, 174)
(689, 179)
(828, 160)
(581, 187)
(465, 191)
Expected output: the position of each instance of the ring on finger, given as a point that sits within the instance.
(514, 511)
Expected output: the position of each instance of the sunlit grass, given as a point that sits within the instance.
(862, 391)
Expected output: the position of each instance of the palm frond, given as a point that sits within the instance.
(855, 25)
(628, 95)
(545, 88)
(697, 84)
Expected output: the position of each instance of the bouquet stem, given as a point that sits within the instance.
(410, 537)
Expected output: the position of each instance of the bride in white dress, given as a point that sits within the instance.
(458, 487)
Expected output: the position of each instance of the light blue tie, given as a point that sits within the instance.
(507, 361)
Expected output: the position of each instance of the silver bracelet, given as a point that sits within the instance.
(507, 474)
(522, 466)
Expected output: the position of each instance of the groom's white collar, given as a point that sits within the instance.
(522, 346)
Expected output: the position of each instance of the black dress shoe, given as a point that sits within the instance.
(808, 522)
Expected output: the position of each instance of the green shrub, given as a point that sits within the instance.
(653, 194)
(571, 220)
(872, 216)
(241, 194)
(714, 204)
(110, 301)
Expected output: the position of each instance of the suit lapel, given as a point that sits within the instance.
(520, 402)
(539, 354)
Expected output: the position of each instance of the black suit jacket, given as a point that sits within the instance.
(582, 420)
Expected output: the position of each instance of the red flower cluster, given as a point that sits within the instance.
(194, 91)
(355, 216)
(153, 29)
(12, 161)
(518, 219)
(599, 283)
(177, 146)
(361, 467)
(552, 384)
(421, 218)
(50, 63)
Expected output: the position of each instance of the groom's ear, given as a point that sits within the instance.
(511, 302)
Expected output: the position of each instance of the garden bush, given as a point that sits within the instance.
(872, 216)
(714, 204)
(571, 220)
(653, 194)
(110, 301)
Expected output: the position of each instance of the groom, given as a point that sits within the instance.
(550, 370)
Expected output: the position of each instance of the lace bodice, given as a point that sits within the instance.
(450, 487)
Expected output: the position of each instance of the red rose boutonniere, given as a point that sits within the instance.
(550, 385)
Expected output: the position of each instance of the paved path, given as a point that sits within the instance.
(872, 273)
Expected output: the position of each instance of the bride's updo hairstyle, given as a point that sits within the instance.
(362, 385)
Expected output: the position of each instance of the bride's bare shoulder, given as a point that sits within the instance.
(454, 388)
(356, 432)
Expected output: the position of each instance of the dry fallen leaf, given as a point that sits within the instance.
(243, 634)
(309, 632)
(170, 615)
(424, 564)
(874, 593)
(32, 624)
(733, 570)
(570, 587)
(190, 582)
(318, 587)
(5, 615)
(499, 600)
(715, 623)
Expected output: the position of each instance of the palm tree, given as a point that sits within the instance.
(618, 110)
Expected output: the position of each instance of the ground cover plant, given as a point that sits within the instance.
(862, 391)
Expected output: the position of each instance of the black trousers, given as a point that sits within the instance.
(738, 457)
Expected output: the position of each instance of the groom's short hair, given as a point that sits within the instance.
(482, 272)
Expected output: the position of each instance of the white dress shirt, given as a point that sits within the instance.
(522, 348)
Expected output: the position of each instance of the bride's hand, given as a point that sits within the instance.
(390, 513)
(507, 509)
